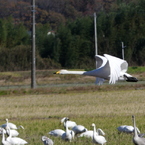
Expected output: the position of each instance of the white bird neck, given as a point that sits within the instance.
(75, 72)
(135, 130)
(66, 126)
(10, 134)
(3, 136)
(7, 122)
(100, 131)
(94, 132)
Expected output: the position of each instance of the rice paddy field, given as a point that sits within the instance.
(40, 110)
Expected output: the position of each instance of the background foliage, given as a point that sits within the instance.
(65, 32)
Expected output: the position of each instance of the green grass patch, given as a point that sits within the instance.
(12, 74)
(136, 69)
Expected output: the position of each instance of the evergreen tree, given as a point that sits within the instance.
(16, 34)
(3, 33)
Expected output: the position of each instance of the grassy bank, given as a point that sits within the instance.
(47, 77)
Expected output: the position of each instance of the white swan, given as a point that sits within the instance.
(79, 129)
(127, 129)
(130, 129)
(121, 128)
(15, 140)
(47, 141)
(14, 133)
(108, 68)
(11, 125)
(4, 142)
(70, 123)
(68, 135)
(89, 133)
(98, 139)
(57, 132)
(136, 139)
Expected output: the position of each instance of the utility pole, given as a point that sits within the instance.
(95, 29)
(123, 50)
(33, 63)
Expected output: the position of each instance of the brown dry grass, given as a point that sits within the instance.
(110, 103)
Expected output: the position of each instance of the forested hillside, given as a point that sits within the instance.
(65, 32)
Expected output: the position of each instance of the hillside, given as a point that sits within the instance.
(54, 12)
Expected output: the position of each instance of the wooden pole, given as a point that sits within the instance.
(122, 50)
(95, 29)
(33, 65)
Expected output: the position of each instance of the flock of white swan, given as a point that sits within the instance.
(10, 130)
(73, 130)
(10, 134)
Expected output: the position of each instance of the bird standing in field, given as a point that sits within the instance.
(127, 129)
(79, 129)
(98, 139)
(121, 128)
(89, 133)
(14, 132)
(136, 139)
(57, 132)
(70, 123)
(47, 141)
(11, 125)
(68, 135)
(4, 141)
(107, 68)
(12, 128)
(130, 129)
(15, 140)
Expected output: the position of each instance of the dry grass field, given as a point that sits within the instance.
(40, 110)
(41, 113)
